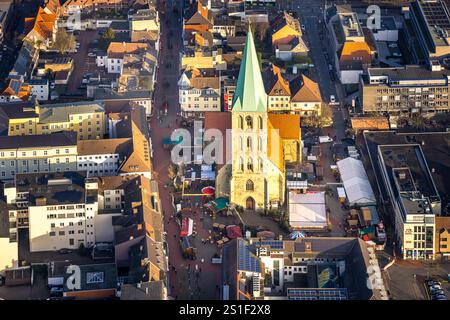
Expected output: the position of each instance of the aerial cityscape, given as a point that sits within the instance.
(251, 150)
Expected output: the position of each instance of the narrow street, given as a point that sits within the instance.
(159, 127)
(187, 279)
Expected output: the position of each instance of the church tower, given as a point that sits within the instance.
(256, 181)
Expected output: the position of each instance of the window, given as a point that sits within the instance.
(240, 123)
(249, 122)
(249, 186)
(250, 164)
(241, 164)
(260, 123)
(249, 143)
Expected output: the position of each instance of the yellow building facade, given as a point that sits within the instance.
(87, 119)
(262, 142)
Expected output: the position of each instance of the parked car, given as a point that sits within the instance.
(92, 55)
(332, 99)
(325, 139)
(64, 251)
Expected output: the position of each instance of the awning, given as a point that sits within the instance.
(208, 191)
(234, 232)
(218, 204)
(187, 226)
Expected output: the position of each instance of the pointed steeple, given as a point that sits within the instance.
(250, 95)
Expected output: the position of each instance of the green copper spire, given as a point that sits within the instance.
(250, 95)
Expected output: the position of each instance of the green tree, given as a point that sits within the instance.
(64, 42)
(107, 38)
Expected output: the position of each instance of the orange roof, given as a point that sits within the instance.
(281, 127)
(370, 123)
(202, 10)
(305, 90)
(287, 124)
(43, 24)
(16, 87)
(356, 49)
(121, 48)
(276, 83)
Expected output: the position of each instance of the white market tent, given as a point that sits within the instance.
(307, 210)
(356, 184)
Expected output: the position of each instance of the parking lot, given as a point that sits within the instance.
(406, 280)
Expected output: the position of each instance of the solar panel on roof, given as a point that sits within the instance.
(247, 261)
(275, 244)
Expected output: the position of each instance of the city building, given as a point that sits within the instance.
(351, 52)
(138, 237)
(40, 89)
(333, 268)
(199, 93)
(113, 60)
(15, 90)
(405, 90)
(144, 25)
(261, 142)
(411, 174)
(306, 99)
(87, 6)
(102, 157)
(40, 31)
(58, 208)
(5, 18)
(8, 239)
(55, 152)
(287, 37)
(278, 90)
(431, 22)
(87, 118)
(197, 18)
(97, 281)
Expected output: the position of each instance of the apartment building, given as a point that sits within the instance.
(102, 157)
(55, 152)
(144, 25)
(277, 89)
(199, 93)
(87, 118)
(405, 90)
(348, 45)
(139, 239)
(8, 239)
(113, 60)
(40, 31)
(301, 269)
(58, 209)
(15, 90)
(299, 96)
(40, 89)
